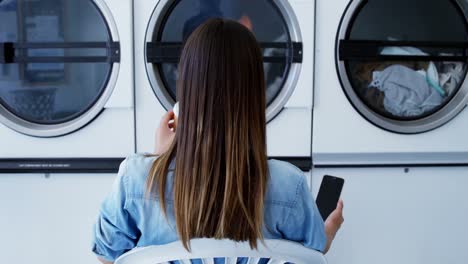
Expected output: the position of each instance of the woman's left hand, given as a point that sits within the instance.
(165, 133)
(333, 224)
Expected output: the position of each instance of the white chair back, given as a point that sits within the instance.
(207, 250)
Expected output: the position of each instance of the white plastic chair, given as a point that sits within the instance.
(206, 250)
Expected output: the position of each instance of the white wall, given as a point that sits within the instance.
(405, 218)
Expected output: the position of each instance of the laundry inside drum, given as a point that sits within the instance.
(406, 90)
(404, 65)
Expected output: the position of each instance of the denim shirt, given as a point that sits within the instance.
(129, 219)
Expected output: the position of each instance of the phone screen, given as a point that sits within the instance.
(329, 194)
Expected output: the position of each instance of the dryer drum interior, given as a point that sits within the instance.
(402, 64)
(57, 60)
(272, 22)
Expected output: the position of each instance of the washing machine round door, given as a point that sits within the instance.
(402, 64)
(58, 64)
(272, 22)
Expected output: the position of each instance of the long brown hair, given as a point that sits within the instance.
(221, 170)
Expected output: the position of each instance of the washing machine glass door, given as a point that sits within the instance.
(56, 64)
(272, 22)
(402, 63)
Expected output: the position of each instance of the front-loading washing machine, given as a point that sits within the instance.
(285, 30)
(66, 85)
(391, 83)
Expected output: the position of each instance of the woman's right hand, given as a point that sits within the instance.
(165, 133)
(333, 224)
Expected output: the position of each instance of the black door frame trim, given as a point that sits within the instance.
(95, 165)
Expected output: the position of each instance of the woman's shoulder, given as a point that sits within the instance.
(285, 182)
(284, 171)
(135, 169)
(140, 159)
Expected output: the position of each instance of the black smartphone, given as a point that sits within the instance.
(329, 195)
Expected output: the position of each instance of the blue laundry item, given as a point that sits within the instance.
(403, 51)
(407, 92)
(432, 75)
